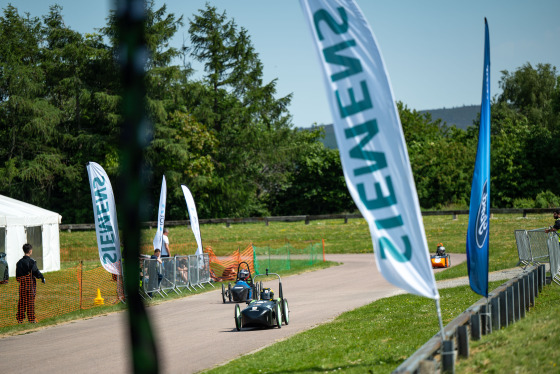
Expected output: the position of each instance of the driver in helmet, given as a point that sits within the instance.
(440, 250)
(243, 274)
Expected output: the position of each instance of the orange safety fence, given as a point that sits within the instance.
(225, 268)
(65, 291)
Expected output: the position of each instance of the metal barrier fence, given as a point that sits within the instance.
(168, 275)
(554, 253)
(193, 275)
(536, 246)
(173, 274)
(523, 247)
(182, 272)
(150, 277)
(532, 246)
(539, 248)
(204, 270)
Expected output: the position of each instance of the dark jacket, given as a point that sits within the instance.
(28, 265)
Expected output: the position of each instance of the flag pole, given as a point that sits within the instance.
(438, 308)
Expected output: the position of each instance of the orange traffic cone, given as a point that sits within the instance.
(99, 300)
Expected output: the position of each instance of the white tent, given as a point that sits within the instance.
(22, 223)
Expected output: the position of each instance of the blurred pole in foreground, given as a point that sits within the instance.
(135, 136)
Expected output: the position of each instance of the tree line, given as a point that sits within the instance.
(226, 134)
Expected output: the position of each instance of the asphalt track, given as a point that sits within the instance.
(197, 332)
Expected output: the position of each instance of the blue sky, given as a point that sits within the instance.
(433, 49)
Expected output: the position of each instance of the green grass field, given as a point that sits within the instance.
(377, 337)
(339, 237)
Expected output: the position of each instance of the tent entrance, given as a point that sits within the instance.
(35, 238)
(2, 240)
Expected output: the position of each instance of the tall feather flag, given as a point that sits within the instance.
(371, 142)
(105, 218)
(478, 232)
(193, 218)
(158, 238)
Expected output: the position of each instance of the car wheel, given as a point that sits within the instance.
(229, 291)
(278, 316)
(223, 293)
(285, 312)
(237, 317)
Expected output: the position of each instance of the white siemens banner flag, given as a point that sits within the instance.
(105, 218)
(193, 217)
(371, 142)
(158, 239)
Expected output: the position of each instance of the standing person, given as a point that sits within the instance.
(26, 274)
(165, 251)
(556, 226)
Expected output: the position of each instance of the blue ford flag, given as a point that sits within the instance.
(478, 233)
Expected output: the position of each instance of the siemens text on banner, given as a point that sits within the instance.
(371, 142)
(478, 232)
(158, 238)
(193, 218)
(105, 217)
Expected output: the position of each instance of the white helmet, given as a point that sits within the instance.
(243, 274)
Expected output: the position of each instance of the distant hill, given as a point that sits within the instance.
(460, 117)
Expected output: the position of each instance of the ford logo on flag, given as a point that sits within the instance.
(482, 218)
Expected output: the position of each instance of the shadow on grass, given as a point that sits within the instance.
(381, 365)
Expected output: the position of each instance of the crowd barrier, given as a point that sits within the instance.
(536, 246)
(77, 289)
(554, 254)
(532, 246)
(65, 291)
(225, 268)
(173, 273)
(261, 258)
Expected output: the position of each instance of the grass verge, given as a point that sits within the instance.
(528, 346)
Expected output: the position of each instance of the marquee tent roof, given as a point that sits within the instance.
(15, 212)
